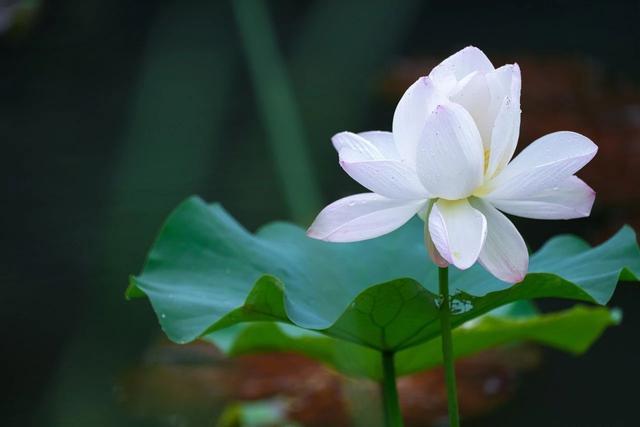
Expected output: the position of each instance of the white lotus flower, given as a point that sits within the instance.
(449, 160)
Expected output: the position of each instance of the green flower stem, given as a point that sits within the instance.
(447, 348)
(391, 404)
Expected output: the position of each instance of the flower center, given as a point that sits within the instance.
(485, 188)
(487, 153)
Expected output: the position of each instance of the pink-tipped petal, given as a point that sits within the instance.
(434, 254)
(450, 157)
(383, 141)
(504, 253)
(474, 96)
(458, 231)
(431, 248)
(359, 147)
(505, 128)
(483, 95)
(460, 64)
(410, 115)
(365, 163)
(543, 165)
(504, 137)
(361, 217)
(505, 81)
(572, 198)
(389, 178)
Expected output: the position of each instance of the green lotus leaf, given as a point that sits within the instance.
(572, 330)
(205, 273)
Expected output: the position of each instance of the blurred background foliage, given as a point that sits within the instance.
(112, 112)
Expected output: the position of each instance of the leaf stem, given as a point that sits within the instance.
(391, 404)
(447, 347)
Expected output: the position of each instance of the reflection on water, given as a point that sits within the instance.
(459, 302)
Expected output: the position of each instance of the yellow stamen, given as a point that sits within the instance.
(487, 153)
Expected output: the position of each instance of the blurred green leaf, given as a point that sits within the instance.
(572, 330)
(205, 273)
(338, 43)
(171, 136)
(259, 413)
(278, 109)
